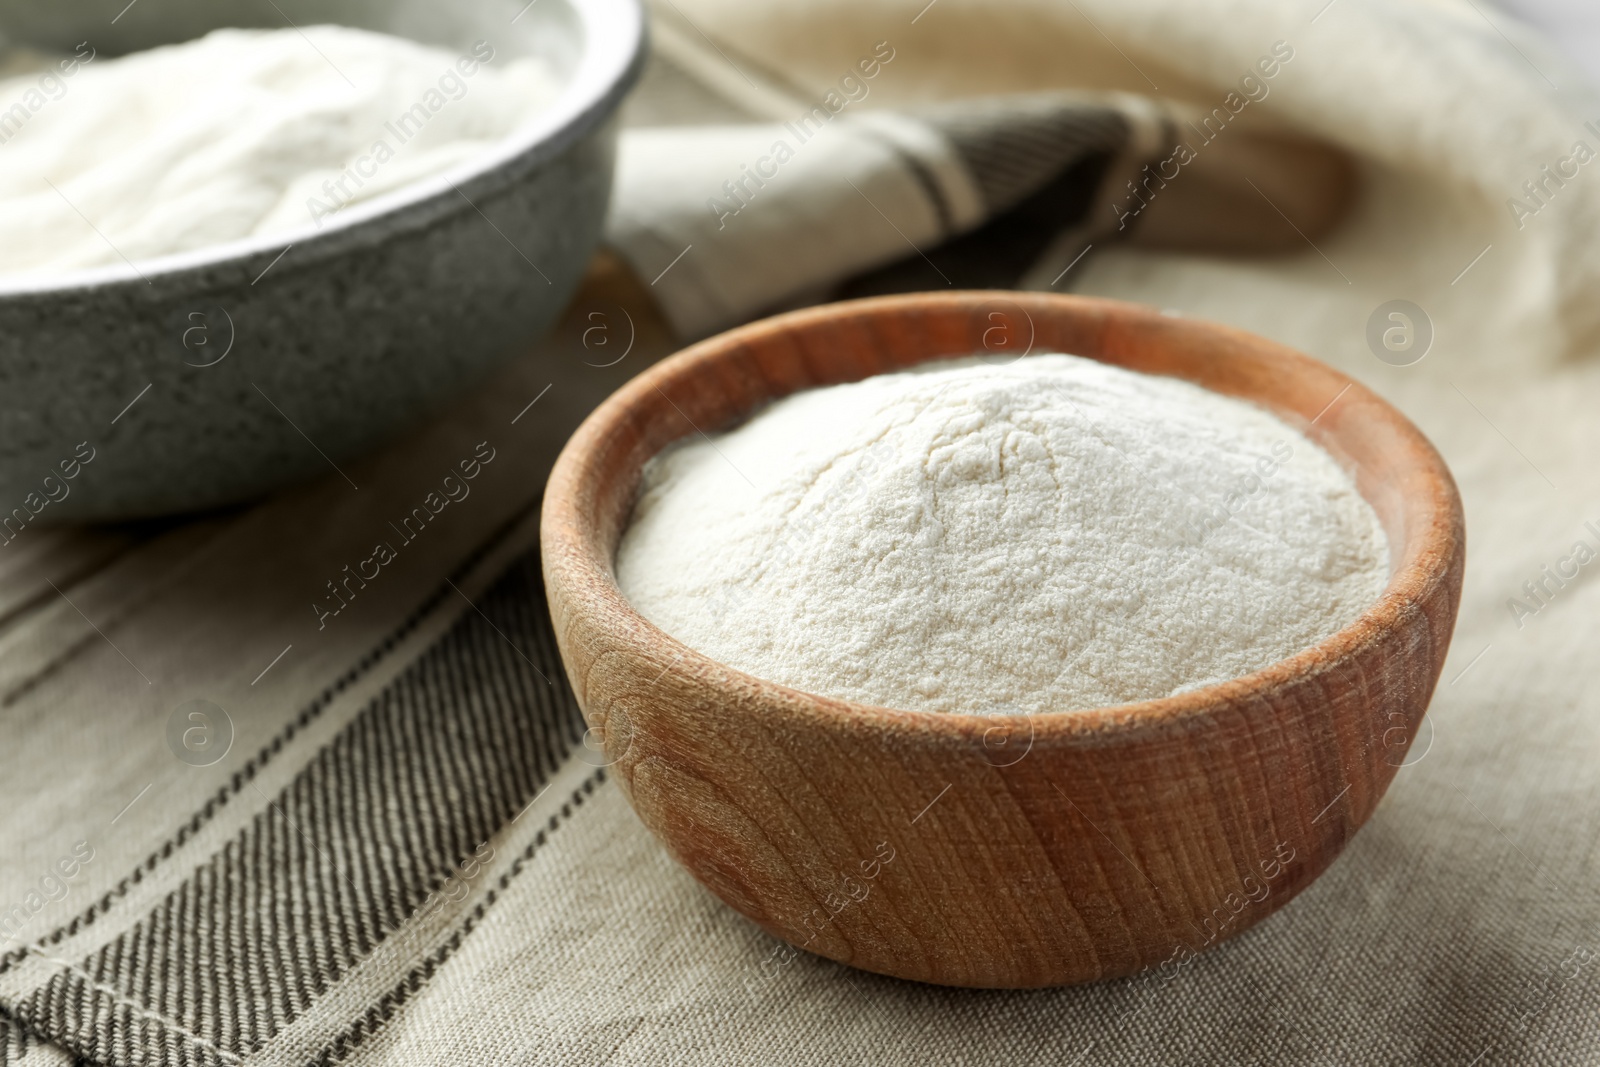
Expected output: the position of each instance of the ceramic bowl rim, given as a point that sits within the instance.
(614, 36)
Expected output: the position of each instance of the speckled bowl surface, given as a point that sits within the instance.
(211, 376)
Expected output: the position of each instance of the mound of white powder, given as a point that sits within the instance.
(237, 133)
(1050, 535)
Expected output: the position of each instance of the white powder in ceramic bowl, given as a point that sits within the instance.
(235, 134)
(1050, 535)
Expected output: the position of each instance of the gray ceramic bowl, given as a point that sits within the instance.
(363, 327)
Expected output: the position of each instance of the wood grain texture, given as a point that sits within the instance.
(1029, 851)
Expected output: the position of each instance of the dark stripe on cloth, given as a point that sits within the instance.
(1014, 146)
(247, 773)
(380, 1013)
(378, 820)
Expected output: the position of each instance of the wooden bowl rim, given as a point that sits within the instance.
(1426, 565)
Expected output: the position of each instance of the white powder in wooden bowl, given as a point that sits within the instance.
(1050, 535)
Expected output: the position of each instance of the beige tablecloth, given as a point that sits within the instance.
(407, 855)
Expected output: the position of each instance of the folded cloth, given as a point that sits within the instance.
(264, 804)
(729, 221)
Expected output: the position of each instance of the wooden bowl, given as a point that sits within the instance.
(1029, 851)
